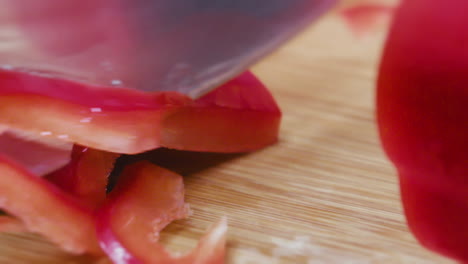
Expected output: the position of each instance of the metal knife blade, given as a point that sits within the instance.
(188, 46)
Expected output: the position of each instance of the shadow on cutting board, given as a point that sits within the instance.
(185, 163)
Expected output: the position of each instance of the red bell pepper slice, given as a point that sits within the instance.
(240, 116)
(86, 176)
(9, 224)
(114, 119)
(37, 157)
(46, 210)
(422, 114)
(364, 18)
(145, 200)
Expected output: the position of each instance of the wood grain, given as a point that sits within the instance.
(324, 194)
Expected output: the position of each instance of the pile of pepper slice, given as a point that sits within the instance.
(60, 141)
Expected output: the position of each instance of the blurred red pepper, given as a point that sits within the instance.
(422, 108)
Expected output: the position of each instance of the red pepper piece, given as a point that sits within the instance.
(363, 18)
(115, 119)
(145, 200)
(9, 224)
(46, 210)
(128, 121)
(38, 158)
(422, 101)
(86, 176)
(240, 115)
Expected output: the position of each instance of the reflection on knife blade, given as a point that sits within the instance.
(188, 46)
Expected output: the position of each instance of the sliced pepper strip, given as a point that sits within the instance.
(145, 200)
(46, 210)
(38, 158)
(86, 176)
(240, 116)
(9, 224)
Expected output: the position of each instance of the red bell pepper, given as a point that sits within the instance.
(41, 157)
(422, 108)
(86, 175)
(145, 200)
(240, 115)
(10, 224)
(45, 209)
(363, 18)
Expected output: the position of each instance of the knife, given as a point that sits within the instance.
(189, 46)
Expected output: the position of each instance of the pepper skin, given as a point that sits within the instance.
(422, 112)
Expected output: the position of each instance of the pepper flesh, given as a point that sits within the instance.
(45, 209)
(9, 224)
(86, 175)
(238, 116)
(41, 157)
(145, 200)
(241, 115)
(422, 109)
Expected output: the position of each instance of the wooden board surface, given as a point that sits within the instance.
(324, 194)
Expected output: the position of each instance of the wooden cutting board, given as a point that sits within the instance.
(324, 194)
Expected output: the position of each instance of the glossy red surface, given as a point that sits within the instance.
(239, 116)
(145, 200)
(46, 210)
(422, 108)
(86, 175)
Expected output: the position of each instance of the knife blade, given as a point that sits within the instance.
(189, 46)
